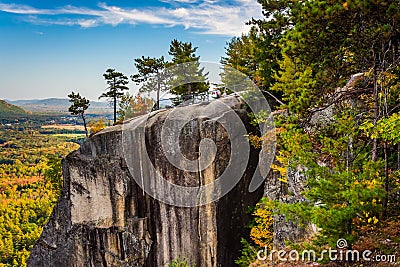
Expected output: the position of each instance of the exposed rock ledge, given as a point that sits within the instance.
(103, 217)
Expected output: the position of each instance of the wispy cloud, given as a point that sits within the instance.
(216, 19)
(180, 1)
(207, 16)
(23, 9)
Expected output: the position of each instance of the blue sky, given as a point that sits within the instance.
(49, 48)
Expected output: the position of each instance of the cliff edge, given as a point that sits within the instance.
(105, 218)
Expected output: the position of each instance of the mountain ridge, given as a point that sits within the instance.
(57, 105)
(7, 109)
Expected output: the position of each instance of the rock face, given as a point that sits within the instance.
(104, 218)
(289, 191)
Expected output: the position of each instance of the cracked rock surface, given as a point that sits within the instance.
(104, 218)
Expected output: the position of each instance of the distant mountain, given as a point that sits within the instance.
(9, 110)
(40, 102)
(58, 105)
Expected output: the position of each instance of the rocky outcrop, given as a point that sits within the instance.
(289, 191)
(104, 218)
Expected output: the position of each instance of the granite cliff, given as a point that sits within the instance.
(104, 218)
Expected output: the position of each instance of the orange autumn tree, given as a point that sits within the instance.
(262, 231)
(133, 106)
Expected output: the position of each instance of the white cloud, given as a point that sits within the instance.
(23, 9)
(215, 19)
(180, 1)
(86, 23)
(206, 17)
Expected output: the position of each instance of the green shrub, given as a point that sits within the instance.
(181, 262)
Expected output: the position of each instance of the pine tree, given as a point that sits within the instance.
(78, 107)
(116, 82)
(350, 158)
(151, 72)
(187, 77)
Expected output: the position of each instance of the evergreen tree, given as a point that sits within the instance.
(349, 158)
(78, 107)
(256, 56)
(151, 71)
(187, 77)
(116, 82)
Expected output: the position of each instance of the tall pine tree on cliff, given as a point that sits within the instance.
(78, 107)
(187, 75)
(116, 82)
(151, 75)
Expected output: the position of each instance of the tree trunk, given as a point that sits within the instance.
(386, 199)
(158, 91)
(115, 109)
(190, 92)
(398, 156)
(84, 124)
(376, 114)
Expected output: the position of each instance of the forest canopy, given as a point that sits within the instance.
(334, 68)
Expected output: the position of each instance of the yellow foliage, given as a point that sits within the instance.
(255, 140)
(96, 126)
(262, 232)
(374, 220)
